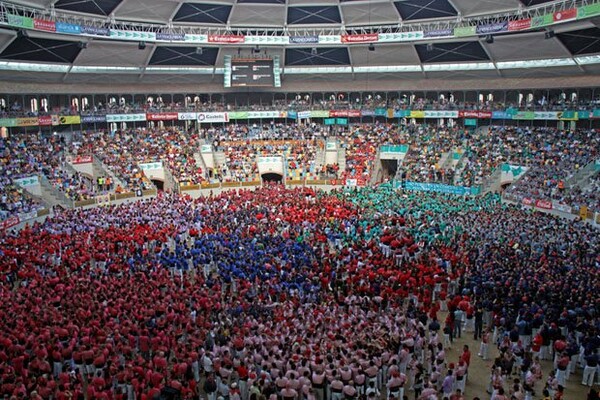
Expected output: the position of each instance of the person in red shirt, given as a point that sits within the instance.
(466, 357)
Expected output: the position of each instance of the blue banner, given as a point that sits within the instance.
(170, 36)
(90, 119)
(492, 28)
(292, 115)
(438, 33)
(401, 113)
(94, 30)
(367, 113)
(501, 115)
(381, 112)
(438, 187)
(309, 39)
(70, 29)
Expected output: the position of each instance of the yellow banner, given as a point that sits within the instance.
(33, 121)
(583, 210)
(390, 113)
(69, 119)
(417, 114)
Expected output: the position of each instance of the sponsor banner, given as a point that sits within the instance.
(544, 204)
(71, 29)
(45, 120)
(492, 28)
(561, 207)
(519, 25)
(439, 33)
(32, 121)
(565, 15)
(542, 20)
(588, 11)
(567, 115)
(595, 114)
(206, 148)
(132, 35)
(9, 223)
(209, 117)
(344, 113)
(381, 112)
(416, 114)
(193, 38)
(19, 21)
(225, 39)
(266, 114)
(363, 38)
(470, 121)
(8, 122)
(90, 119)
(308, 39)
(152, 165)
(441, 114)
(27, 216)
(187, 116)
(308, 114)
(465, 31)
(292, 115)
(166, 116)
(400, 36)
(319, 114)
(82, 160)
(400, 114)
(69, 119)
(94, 31)
(170, 37)
(235, 115)
(44, 25)
(440, 188)
(29, 181)
(545, 115)
(501, 115)
(264, 40)
(524, 115)
(351, 182)
(367, 113)
(475, 114)
(330, 146)
(527, 201)
(125, 117)
(394, 148)
(583, 114)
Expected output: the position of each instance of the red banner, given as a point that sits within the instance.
(545, 204)
(9, 222)
(43, 25)
(354, 113)
(519, 25)
(45, 120)
(475, 114)
(527, 201)
(226, 39)
(364, 38)
(170, 116)
(82, 160)
(344, 113)
(564, 15)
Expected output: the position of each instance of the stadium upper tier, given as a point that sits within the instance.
(155, 42)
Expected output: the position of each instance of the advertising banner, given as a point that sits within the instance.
(187, 116)
(465, 31)
(417, 114)
(381, 112)
(588, 11)
(82, 160)
(292, 115)
(226, 39)
(486, 29)
(69, 119)
(305, 114)
(475, 114)
(524, 115)
(364, 38)
(470, 121)
(330, 39)
(9, 223)
(441, 114)
(344, 113)
(209, 117)
(367, 113)
(71, 29)
(19, 21)
(527, 201)
(542, 20)
(29, 181)
(152, 165)
(31, 121)
(132, 35)
(400, 36)
(90, 119)
(45, 120)
(266, 114)
(170, 37)
(565, 15)
(94, 31)
(167, 116)
(561, 207)
(206, 148)
(501, 115)
(567, 115)
(319, 114)
(519, 25)
(399, 114)
(44, 25)
(8, 122)
(439, 33)
(125, 117)
(308, 39)
(440, 188)
(544, 204)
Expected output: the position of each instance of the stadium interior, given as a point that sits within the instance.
(300, 200)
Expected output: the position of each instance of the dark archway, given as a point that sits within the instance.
(160, 185)
(272, 177)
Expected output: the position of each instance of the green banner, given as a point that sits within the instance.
(583, 114)
(465, 31)
(543, 20)
(20, 21)
(238, 115)
(588, 11)
(329, 121)
(8, 122)
(470, 122)
(319, 114)
(596, 113)
(526, 115)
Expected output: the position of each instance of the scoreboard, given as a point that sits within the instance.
(252, 72)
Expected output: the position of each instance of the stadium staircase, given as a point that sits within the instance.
(100, 169)
(342, 158)
(220, 161)
(52, 196)
(582, 177)
(171, 184)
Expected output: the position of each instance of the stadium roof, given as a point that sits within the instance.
(567, 49)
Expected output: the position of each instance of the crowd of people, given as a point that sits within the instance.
(295, 294)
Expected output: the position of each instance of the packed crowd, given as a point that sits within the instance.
(292, 294)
